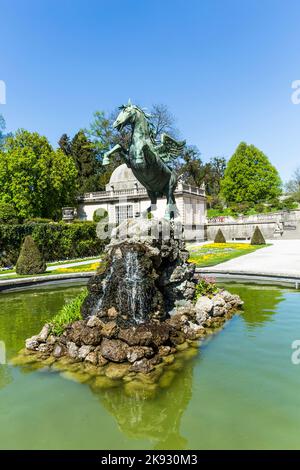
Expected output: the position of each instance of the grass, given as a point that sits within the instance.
(55, 263)
(68, 314)
(72, 270)
(216, 253)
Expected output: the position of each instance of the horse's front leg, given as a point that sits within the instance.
(116, 149)
(110, 153)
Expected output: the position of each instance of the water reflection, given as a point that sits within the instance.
(260, 302)
(5, 375)
(158, 419)
(23, 313)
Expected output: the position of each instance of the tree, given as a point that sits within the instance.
(30, 260)
(84, 155)
(192, 170)
(293, 186)
(65, 144)
(2, 129)
(214, 173)
(162, 121)
(250, 177)
(100, 133)
(34, 178)
(8, 214)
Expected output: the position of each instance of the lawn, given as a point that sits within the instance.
(54, 263)
(216, 253)
(91, 267)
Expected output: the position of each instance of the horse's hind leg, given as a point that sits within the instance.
(171, 209)
(153, 199)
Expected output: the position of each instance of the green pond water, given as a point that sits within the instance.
(240, 392)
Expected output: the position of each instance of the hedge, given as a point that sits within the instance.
(56, 241)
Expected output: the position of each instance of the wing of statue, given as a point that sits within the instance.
(170, 149)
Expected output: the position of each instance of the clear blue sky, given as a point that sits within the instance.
(224, 68)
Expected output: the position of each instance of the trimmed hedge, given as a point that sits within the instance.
(219, 238)
(257, 237)
(56, 241)
(30, 260)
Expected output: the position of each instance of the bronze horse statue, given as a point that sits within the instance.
(148, 160)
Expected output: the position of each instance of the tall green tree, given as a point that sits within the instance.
(214, 173)
(64, 144)
(85, 158)
(2, 129)
(37, 180)
(293, 186)
(250, 177)
(192, 169)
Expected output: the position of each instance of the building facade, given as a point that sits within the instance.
(124, 197)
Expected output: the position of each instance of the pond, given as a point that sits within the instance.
(240, 392)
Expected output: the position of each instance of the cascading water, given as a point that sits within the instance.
(128, 286)
(134, 287)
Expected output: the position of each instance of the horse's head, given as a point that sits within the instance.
(128, 115)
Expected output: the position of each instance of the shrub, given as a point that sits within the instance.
(8, 214)
(257, 237)
(38, 220)
(68, 314)
(206, 286)
(57, 241)
(30, 260)
(219, 238)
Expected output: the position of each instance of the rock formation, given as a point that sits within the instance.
(147, 272)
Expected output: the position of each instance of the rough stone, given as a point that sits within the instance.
(91, 336)
(135, 337)
(32, 343)
(143, 365)
(84, 350)
(164, 350)
(102, 361)
(163, 275)
(74, 333)
(203, 305)
(72, 350)
(112, 312)
(110, 329)
(45, 348)
(44, 333)
(92, 357)
(94, 321)
(114, 350)
(138, 352)
(59, 350)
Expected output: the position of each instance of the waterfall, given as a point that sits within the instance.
(134, 287)
(124, 287)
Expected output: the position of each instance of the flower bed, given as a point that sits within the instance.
(216, 253)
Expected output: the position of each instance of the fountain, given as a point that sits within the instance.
(141, 306)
